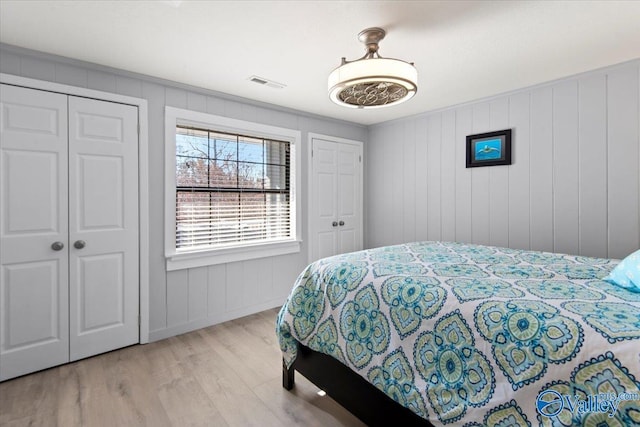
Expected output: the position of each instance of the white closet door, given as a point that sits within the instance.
(33, 216)
(324, 204)
(336, 198)
(103, 226)
(349, 198)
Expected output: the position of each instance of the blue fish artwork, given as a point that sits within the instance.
(488, 149)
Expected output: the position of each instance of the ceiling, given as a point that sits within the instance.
(463, 50)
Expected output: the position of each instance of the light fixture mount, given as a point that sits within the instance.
(372, 81)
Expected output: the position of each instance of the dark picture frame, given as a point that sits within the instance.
(489, 149)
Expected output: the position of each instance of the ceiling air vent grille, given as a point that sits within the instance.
(266, 82)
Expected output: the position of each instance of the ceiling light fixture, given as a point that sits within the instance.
(372, 81)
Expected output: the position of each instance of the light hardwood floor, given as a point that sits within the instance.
(223, 375)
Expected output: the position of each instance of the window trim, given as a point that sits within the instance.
(187, 259)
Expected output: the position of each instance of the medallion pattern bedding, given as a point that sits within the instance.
(472, 335)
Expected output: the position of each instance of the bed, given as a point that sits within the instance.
(442, 333)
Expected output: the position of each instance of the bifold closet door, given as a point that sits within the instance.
(69, 284)
(34, 286)
(103, 226)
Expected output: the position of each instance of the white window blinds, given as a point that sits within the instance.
(231, 189)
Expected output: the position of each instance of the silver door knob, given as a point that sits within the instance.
(341, 223)
(334, 223)
(57, 246)
(79, 244)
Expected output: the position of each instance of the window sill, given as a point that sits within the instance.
(222, 256)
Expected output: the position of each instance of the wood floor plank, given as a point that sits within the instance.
(244, 353)
(232, 397)
(187, 404)
(225, 375)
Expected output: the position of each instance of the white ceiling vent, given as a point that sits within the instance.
(266, 82)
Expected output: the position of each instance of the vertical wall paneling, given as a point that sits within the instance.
(197, 290)
(101, 81)
(232, 109)
(622, 137)
(177, 297)
(129, 86)
(409, 182)
(370, 182)
(397, 182)
(573, 185)
(196, 102)
(234, 286)
(291, 121)
(70, 75)
(519, 172)
(565, 167)
(541, 178)
(464, 122)
(480, 190)
(36, 68)
(422, 197)
(175, 97)
(9, 63)
(216, 290)
(284, 272)
(215, 105)
(499, 181)
(374, 184)
(448, 176)
(383, 232)
(264, 279)
(592, 173)
(251, 282)
(434, 143)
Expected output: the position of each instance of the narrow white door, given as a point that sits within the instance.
(325, 203)
(103, 226)
(34, 330)
(349, 198)
(336, 198)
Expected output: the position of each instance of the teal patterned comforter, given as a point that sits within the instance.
(473, 335)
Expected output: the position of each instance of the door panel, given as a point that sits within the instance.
(34, 311)
(100, 190)
(102, 276)
(31, 202)
(30, 308)
(103, 216)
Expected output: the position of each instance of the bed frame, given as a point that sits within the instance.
(350, 390)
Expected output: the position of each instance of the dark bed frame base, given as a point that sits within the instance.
(350, 390)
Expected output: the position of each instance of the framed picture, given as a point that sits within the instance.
(489, 149)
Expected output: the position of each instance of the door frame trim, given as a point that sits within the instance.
(143, 173)
(310, 227)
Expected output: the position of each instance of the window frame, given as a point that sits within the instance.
(243, 251)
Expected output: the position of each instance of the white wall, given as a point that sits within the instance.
(189, 299)
(573, 186)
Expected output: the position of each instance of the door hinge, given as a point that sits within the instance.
(139, 320)
(360, 159)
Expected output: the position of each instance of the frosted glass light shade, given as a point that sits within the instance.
(372, 83)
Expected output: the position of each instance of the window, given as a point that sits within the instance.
(230, 189)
